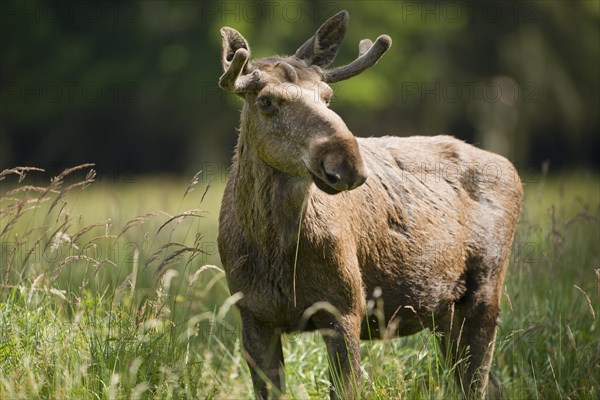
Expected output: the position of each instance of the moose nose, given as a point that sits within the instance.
(341, 177)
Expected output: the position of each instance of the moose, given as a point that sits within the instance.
(356, 238)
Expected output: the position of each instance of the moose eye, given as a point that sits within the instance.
(327, 99)
(264, 103)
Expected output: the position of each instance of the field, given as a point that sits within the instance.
(114, 290)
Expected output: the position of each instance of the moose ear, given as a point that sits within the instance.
(321, 49)
(232, 42)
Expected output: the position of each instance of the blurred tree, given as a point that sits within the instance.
(132, 85)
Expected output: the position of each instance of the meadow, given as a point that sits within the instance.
(114, 290)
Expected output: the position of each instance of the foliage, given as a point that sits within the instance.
(137, 80)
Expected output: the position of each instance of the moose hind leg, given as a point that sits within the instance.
(469, 335)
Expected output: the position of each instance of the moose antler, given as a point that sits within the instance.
(235, 61)
(368, 55)
(231, 79)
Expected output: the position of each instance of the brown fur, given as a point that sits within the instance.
(429, 232)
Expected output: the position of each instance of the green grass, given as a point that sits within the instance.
(116, 291)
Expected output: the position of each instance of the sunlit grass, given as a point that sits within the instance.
(116, 291)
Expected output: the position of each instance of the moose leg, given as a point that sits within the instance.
(477, 343)
(262, 351)
(469, 337)
(342, 339)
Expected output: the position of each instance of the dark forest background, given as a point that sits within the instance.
(132, 85)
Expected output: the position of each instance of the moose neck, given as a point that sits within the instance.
(270, 202)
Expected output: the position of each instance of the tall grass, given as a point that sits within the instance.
(112, 308)
(116, 291)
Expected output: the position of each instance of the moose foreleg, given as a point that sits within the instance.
(342, 339)
(262, 350)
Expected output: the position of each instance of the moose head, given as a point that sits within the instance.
(286, 113)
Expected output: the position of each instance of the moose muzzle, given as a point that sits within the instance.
(337, 164)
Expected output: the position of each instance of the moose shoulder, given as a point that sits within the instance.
(360, 238)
